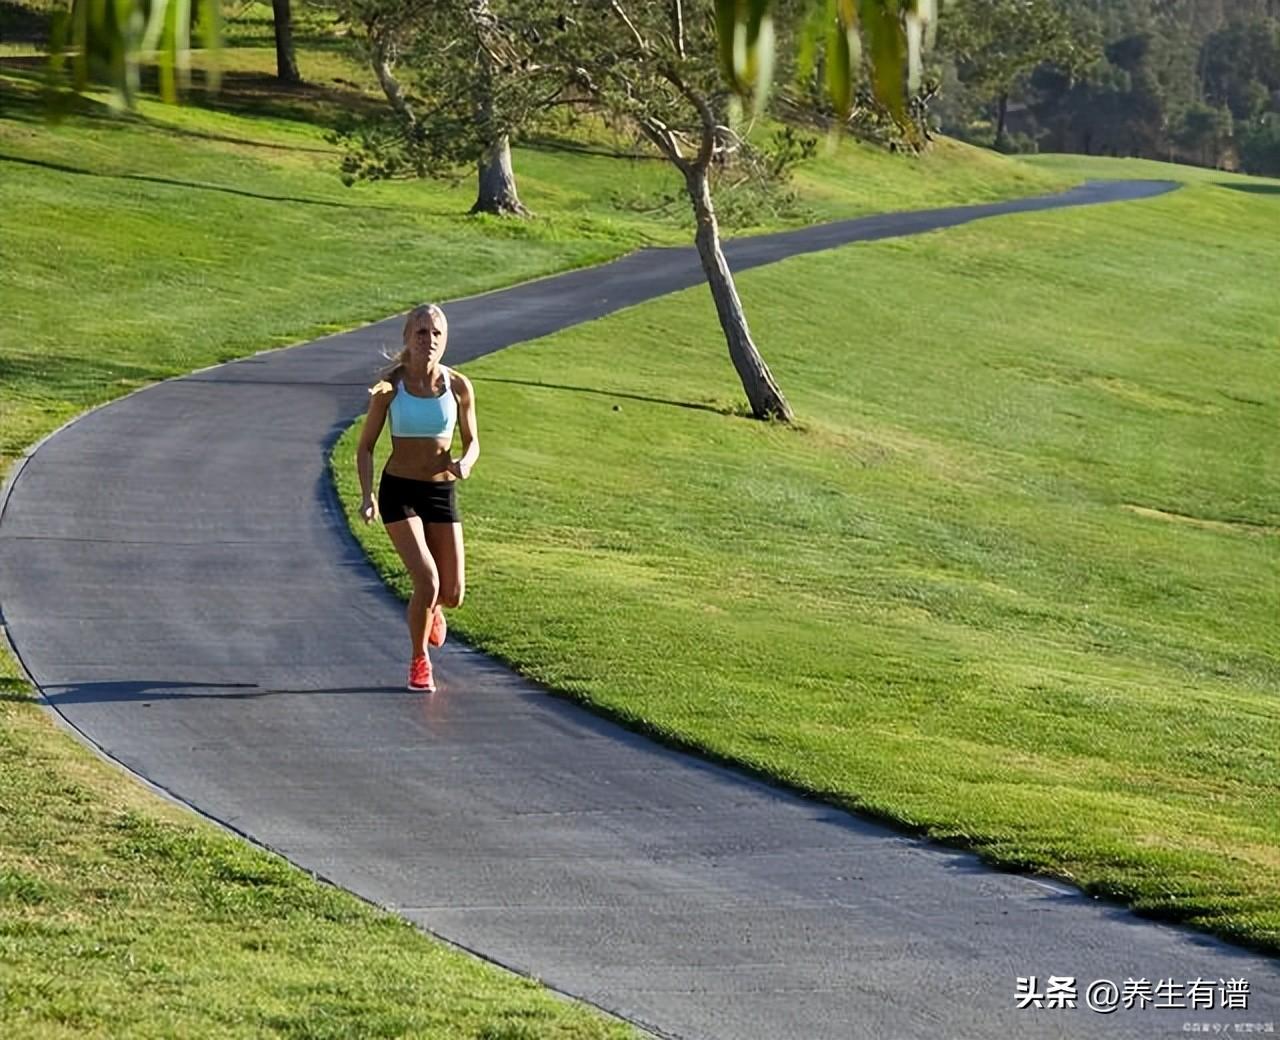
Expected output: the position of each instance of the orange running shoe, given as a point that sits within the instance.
(438, 627)
(420, 675)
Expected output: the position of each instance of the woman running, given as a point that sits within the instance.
(417, 495)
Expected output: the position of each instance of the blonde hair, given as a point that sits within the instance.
(391, 372)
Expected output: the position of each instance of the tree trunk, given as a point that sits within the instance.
(381, 59)
(286, 64)
(762, 392)
(496, 183)
(1002, 116)
(496, 191)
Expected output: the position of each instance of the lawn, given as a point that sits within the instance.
(1010, 582)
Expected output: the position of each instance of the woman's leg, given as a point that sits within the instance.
(444, 542)
(407, 537)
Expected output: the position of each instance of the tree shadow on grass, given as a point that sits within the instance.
(694, 405)
(244, 142)
(28, 105)
(549, 142)
(255, 28)
(260, 94)
(1252, 189)
(241, 93)
(172, 182)
(77, 377)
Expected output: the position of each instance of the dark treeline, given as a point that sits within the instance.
(1195, 81)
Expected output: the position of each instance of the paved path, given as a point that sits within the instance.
(178, 579)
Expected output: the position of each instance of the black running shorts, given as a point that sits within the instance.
(432, 501)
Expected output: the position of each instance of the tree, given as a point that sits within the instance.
(471, 90)
(1202, 133)
(657, 67)
(803, 91)
(1110, 110)
(1260, 147)
(107, 43)
(1240, 67)
(996, 44)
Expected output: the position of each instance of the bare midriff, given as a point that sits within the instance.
(420, 458)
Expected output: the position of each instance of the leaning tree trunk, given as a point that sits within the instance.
(381, 57)
(286, 64)
(763, 393)
(496, 185)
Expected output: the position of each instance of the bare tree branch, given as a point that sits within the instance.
(640, 40)
(665, 140)
(707, 149)
(731, 140)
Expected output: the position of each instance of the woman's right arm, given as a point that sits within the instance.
(379, 401)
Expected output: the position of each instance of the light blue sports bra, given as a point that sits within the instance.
(413, 416)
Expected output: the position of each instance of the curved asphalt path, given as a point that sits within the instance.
(178, 579)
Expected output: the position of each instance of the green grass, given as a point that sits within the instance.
(138, 248)
(1093, 166)
(1011, 581)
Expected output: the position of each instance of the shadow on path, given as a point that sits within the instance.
(145, 691)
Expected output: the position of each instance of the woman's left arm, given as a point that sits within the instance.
(466, 427)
